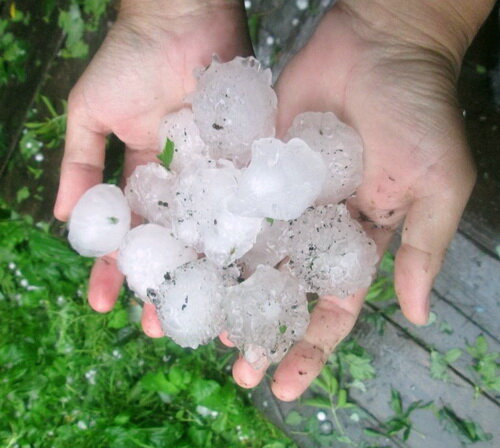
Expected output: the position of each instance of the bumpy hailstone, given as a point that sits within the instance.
(330, 253)
(282, 180)
(341, 148)
(265, 315)
(182, 130)
(99, 221)
(234, 105)
(270, 248)
(149, 192)
(147, 252)
(189, 303)
(203, 220)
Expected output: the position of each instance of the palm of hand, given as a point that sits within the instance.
(137, 76)
(401, 100)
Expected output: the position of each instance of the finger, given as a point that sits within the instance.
(150, 322)
(83, 159)
(104, 284)
(245, 375)
(224, 338)
(331, 321)
(427, 231)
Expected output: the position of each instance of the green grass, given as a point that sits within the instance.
(72, 377)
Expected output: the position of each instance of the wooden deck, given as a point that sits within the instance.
(466, 295)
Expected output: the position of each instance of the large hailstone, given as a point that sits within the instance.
(99, 221)
(147, 252)
(270, 248)
(180, 128)
(266, 314)
(341, 148)
(282, 180)
(234, 105)
(149, 192)
(330, 253)
(189, 303)
(203, 220)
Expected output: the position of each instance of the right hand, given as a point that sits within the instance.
(143, 71)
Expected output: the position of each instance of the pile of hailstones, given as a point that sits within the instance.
(257, 207)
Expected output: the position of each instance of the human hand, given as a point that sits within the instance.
(143, 71)
(388, 69)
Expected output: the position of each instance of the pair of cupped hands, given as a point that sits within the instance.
(396, 90)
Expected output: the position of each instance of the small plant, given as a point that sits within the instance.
(467, 430)
(400, 423)
(485, 366)
(440, 363)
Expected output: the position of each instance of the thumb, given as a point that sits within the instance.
(428, 229)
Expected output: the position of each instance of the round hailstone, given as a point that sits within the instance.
(234, 105)
(99, 221)
(270, 248)
(265, 315)
(147, 252)
(341, 148)
(330, 253)
(202, 219)
(180, 128)
(149, 192)
(282, 180)
(189, 303)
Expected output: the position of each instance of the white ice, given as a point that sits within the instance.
(330, 253)
(341, 148)
(189, 303)
(234, 105)
(99, 221)
(149, 192)
(203, 220)
(180, 128)
(270, 248)
(265, 315)
(147, 253)
(282, 180)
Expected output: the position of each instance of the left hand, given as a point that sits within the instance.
(397, 89)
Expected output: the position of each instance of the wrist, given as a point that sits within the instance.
(443, 26)
(147, 11)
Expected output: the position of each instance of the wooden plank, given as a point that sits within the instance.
(470, 282)
(403, 365)
(450, 330)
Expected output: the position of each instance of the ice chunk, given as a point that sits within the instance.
(99, 221)
(189, 303)
(330, 253)
(182, 130)
(341, 148)
(150, 192)
(282, 180)
(234, 105)
(265, 315)
(147, 252)
(202, 218)
(270, 248)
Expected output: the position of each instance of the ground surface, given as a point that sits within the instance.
(466, 295)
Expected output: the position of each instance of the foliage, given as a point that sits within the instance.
(486, 365)
(400, 422)
(72, 377)
(467, 430)
(167, 155)
(440, 363)
(13, 51)
(80, 17)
